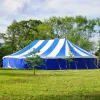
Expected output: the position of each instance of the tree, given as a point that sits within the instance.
(77, 29)
(69, 59)
(34, 61)
(20, 34)
(98, 51)
(98, 31)
(45, 31)
(4, 51)
(83, 32)
(1, 39)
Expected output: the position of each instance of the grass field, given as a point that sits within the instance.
(50, 85)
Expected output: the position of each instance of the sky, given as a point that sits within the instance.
(43, 9)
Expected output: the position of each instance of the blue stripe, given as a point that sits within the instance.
(73, 51)
(26, 48)
(62, 50)
(38, 48)
(82, 50)
(51, 48)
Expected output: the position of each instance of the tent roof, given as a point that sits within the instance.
(56, 48)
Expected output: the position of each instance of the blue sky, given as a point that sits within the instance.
(43, 9)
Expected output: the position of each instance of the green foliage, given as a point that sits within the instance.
(61, 26)
(77, 29)
(70, 58)
(1, 44)
(98, 30)
(50, 85)
(4, 51)
(45, 31)
(20, 34)
(98, 51)
(34, 61)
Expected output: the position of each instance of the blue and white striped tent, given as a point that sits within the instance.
(53, 53)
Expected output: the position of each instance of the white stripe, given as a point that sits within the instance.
(31, 49)
(67, 50)
(85, 51)
(57, 48)
(45, 47)
(8, 65)
(9, 56)
(23, 57)
(78, 51)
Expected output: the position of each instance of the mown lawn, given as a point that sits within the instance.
(50, 85)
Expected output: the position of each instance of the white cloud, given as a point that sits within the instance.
(3, 29)
(40, 9)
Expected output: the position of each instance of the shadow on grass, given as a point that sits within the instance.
(30, 74)
(52, 97)
(69, 97)
(16, 72)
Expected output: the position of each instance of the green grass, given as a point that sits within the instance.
(50, 85)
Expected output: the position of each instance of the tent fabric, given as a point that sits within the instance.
(53, 53)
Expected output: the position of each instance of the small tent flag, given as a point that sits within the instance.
(55, 54)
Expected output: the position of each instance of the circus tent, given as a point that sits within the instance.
(55, 53)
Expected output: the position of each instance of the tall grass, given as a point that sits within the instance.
(50, 85)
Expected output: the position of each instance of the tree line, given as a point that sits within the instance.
(78, 30)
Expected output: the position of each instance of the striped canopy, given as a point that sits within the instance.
(57, 48)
